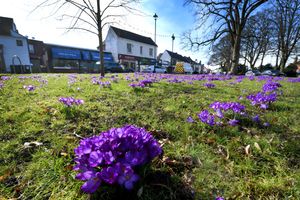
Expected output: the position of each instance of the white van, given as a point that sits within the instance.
(187, 68)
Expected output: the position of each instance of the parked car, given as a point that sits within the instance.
(111, 67)
(253, 73)
(154, 69)
(273, 73)
(127, 69)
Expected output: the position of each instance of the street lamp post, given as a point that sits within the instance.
(155, 18)
(173, 38)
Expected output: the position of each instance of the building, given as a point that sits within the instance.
(130, 49)
(170, 58)
(74, 60)
(38, 56)
(14, 53)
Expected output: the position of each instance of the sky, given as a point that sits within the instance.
(173, 18)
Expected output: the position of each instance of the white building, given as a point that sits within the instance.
(13, 46)
(130, 49)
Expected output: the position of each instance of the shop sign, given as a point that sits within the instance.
(126, 57)
(65, 53)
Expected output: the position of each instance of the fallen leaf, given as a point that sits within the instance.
(247, 149)
(256, 145)
(3, 177)
(63, 154)
(140, 192)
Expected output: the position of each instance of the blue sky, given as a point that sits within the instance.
(173, 17)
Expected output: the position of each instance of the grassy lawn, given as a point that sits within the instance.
(38, 135)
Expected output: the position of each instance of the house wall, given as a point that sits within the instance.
(165, 57)
(122, 48)
(117, 46)
(10, 49)
(111, 44)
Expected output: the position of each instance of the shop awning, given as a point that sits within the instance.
(65, 53)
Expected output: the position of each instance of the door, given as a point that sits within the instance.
(2, 62)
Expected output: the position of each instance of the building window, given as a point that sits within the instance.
(129, 48)
(19, 43)
(31, 49)
(150, 52)
(141, 50)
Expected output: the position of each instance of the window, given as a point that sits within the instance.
(141, 50)
(129, 48)
(150, 52)
(31, 49)
(19, 43)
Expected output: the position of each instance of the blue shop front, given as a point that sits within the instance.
(75, 60)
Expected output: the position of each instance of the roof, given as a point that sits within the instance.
(71, 47)
(6, 25)
(180, 57)
(133, 36)
(8, 28)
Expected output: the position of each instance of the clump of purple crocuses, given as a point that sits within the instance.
(70, 101)
(105, 84)
(220, 109)
(261, 99)
(141, 84)
(270, 86)
(209, 85)
(29, 88)
(113, 156)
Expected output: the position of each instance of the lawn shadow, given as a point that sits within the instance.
(160, 185)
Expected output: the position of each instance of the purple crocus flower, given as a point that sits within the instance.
(220, 198)
(92, 179)
(96, 158)
(209, 85)
(109, 175)
(207, 117)
(190, 119)
(233, 122)
(256, 119)
(29, 88)
(128, 177)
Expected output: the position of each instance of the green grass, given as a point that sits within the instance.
(199, 161)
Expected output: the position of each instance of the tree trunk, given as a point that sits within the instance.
(101, 53)
(100, 38)
(262, 59)
(277, 58)
(283, 61)
(235, 54)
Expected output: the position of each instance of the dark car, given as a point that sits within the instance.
(273, 72)
(112, 67)
(253, 73)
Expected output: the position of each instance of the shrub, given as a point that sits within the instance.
(291, 70)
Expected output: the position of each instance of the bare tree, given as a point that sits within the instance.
(91, 16)
(287, 23)
(256, 38)
(224, 16)
(221, 53)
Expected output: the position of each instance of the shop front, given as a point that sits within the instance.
(64, 59)
(135, 62)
